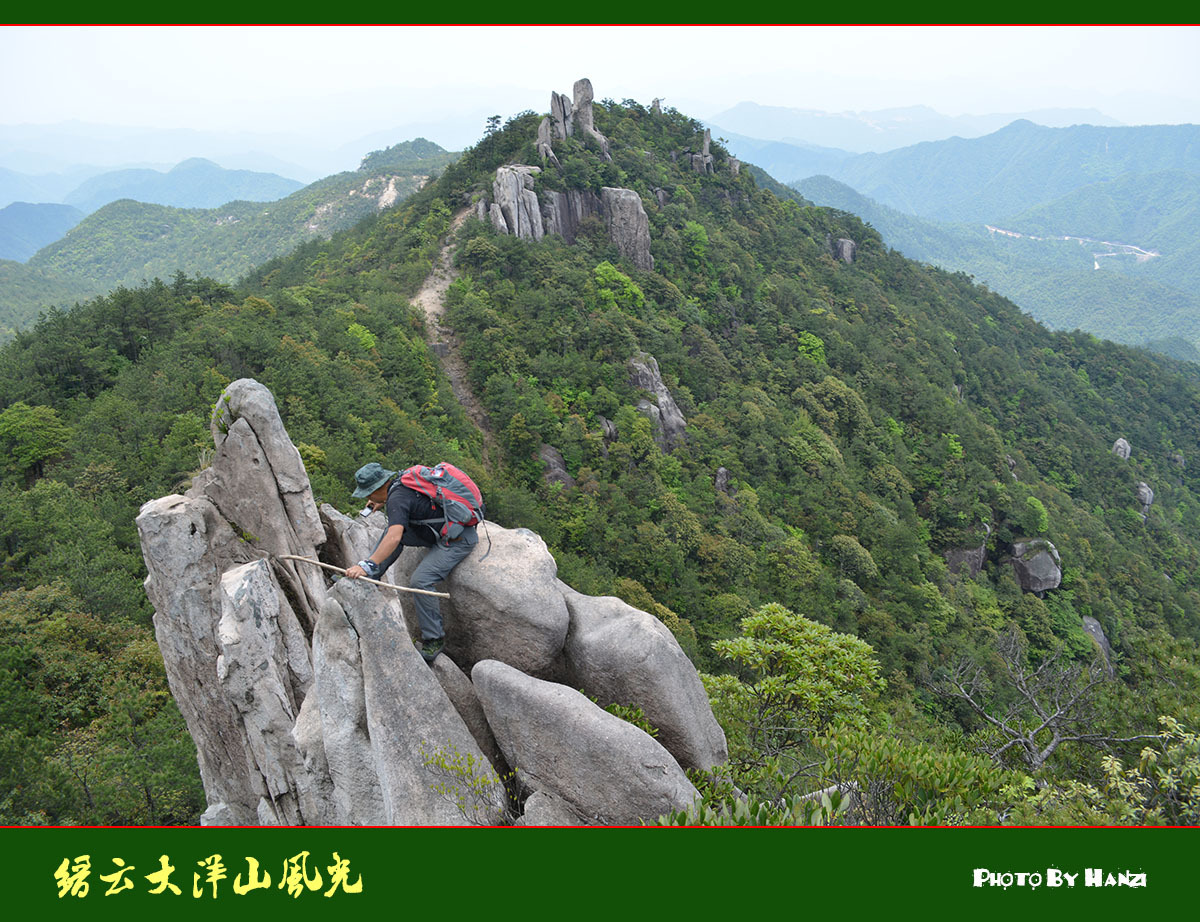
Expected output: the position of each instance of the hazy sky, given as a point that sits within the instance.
(339, 83)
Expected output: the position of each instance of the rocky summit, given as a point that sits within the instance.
(310, 705)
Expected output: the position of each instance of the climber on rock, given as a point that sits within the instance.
(413, 519)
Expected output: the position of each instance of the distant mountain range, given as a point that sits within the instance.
(879, 130)
(126, 241)
(1085, 227)
(195, 183)
(26, 228)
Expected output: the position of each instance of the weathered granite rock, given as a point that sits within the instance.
(1145, 496)
(187, 546)
(505, 604)
(335, 729)
(1036, 564)
(545, 146)
(512, 191)
(607, 770)
(721, 481)
(543, 809)
(608, 429)
(656, 106)
(556, 467)
(265, 671)
(735, 166)
(1093, 629)
(563, 212)
(259, 484)
(1122, 449)
(660, 678)
(331, 721)
(670, 425)
(846, 249)
(628, 225)
(409, 716)
(461, 692)
(968, 559)
(496, 216)
(703, 162)
(562, 116)
(584, 117)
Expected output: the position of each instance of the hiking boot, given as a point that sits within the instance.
(430, 649)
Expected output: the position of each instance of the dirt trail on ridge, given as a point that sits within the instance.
(442, 339)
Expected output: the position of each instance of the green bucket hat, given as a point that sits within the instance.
(370, 477)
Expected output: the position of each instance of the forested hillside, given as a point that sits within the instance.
(1066, 282)
(852, 428)
(130, 242)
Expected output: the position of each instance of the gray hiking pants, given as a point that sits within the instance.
(436, 566)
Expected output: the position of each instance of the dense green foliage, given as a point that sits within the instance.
(129, 242)
(871, 417)
(1063, 283)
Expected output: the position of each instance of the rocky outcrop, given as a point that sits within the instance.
(1092, 628)
(1145, 497)
(545, 142)
(628, 225)
(721, 481)
(584, 117)
(517, 209)
(703, 162)
(607, 771)
(966, 559)
(669, 423)
(845, 249)
(1036, 564)
(563, 212)
(562, 116)
(556, 467)
(517, 202)
(309, 704)
(602, 629)
(1122, 449)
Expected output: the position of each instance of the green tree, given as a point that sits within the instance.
(795, 679)
(29, 437)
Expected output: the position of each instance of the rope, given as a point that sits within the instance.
(365, 579)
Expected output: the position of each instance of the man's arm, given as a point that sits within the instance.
(383, 550)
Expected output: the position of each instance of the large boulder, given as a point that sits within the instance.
(1122, 449)
(608, 771)
(409, 717)
(562, 117)
(621, 655)
(258, 482)
(584, 120)
(265, 671)
(669, 423)
(505, 604)
(512, 191)
(1145, 496)
(187, 547)
(1036, 564)
(628, 225)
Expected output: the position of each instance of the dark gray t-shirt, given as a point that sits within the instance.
(407, 507)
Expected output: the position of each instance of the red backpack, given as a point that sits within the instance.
(460, 500)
